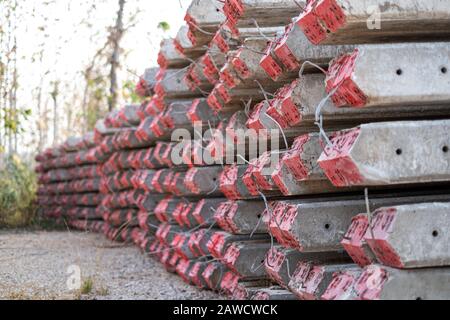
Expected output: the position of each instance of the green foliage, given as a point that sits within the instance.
(129, 92)
(164, 26)
(97, 100)
(17, 192)
(13, 120)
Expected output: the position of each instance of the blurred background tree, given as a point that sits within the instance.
(63, 66)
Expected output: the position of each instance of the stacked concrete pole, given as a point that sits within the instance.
(69, 183)
(291, 150)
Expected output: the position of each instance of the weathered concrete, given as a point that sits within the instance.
(213, 274)
(241, 217)
(169, 57)
(301, 99)
(384, 283)
(204, 18)
(341, 286)
(310, 281)
(280, 263)
(353, 21)
(247, 259)
(400, 153)
(355, 244)
(316, 225)
(173, 85)
(244, 13)
(289, 51)
(383, 75)
(203, 181)
(205, 209)
(184, 45)
(411, 236)
(205, 13)
(220, 241)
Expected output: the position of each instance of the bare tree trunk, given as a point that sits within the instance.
(85, 101)
(116, 37)
(45, 123)
(40, 118)
(54, 95)
(15, 85)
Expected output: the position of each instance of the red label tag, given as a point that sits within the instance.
(336, 162)
(270, 66)
(231, 255)
(274, 260)
(213, 102)
(228, 182)
(311, 25)
(341, 286)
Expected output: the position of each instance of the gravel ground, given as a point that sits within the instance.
(34, 265)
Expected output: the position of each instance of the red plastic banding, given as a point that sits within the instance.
(228, 182)
(162, 61)
(254, 121)
(336, 162)
(311, 25)
(268, 63)
(240, 66)
(382, 226)
(213, 101)
(221, 42)
(273, 263)
(284, 53)
(189, 180)
(178, 47)
(353, 241)
(229, 283)
(371, 282)
(331, 14)
(231, 255)
(222, 90)
(341, 286)
(197, 210)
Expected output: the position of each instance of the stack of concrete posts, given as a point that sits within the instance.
(291, 149)
(388, 75)
(69, 183)
(125, 148)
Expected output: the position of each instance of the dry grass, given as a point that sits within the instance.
(87, 286)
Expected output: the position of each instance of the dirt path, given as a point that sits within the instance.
(35, 265)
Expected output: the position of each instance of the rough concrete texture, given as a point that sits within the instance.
(399, 153)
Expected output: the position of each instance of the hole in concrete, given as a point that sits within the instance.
(445, 149)
(399, 72)
(259, 216)
(327, 226)
(418, 298)
(435, 233)
(398, 151)
(444, 70)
